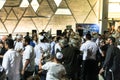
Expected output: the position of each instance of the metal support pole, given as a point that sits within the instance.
(104, 16)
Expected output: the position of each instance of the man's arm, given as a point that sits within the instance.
(1, 56)
(108, 56)
(25, 66)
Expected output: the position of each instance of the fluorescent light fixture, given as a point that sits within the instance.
(24, 3)
(57, 2)
(2, 2)
(114, 7)
(35, 5)
(60, 11)
(114, 0)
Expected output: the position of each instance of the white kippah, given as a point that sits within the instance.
(59, 55)
(18, 37)
(41, 37)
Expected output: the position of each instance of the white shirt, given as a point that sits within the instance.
(57, 46)
(91, 46)
(29, 54)
(118, 46)
(11, 64)
(52, 45)
(38, 51)
(35, 42)
(97, 41)
(18, 46)
(55, 70)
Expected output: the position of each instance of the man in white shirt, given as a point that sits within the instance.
(28, 59)
(57, 46)
(55, 70)
(18, 44)
(11, 61)
(39, 49)
(89, 66)
(52, 45)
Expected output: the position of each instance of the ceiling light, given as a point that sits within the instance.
(2, 2)
(114, 0)
(35, 5)
(60, 11)
(24, 3)
(114, 7)
(58, 2)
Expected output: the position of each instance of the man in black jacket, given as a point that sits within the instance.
(109, 59)
(70, 60)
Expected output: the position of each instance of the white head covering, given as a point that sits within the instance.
(59, 55)
(18, 37)
(41, 37)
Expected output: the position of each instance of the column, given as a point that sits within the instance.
(104, 23)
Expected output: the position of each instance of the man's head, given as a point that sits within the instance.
(59, 56)
(88, 36)
(106, 34)
(19, 38)
(9, 44)
(63, 42)
(111, 40)
(26, 41)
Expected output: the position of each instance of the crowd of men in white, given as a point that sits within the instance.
(23, 55)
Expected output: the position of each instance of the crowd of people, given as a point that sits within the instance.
(67, 56)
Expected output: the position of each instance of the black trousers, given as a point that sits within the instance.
(89, 70)
(112, 75)
(26, 75)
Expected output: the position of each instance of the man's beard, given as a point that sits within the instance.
(24, 45)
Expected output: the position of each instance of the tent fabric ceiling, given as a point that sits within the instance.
(83, 11)
(12, 3)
